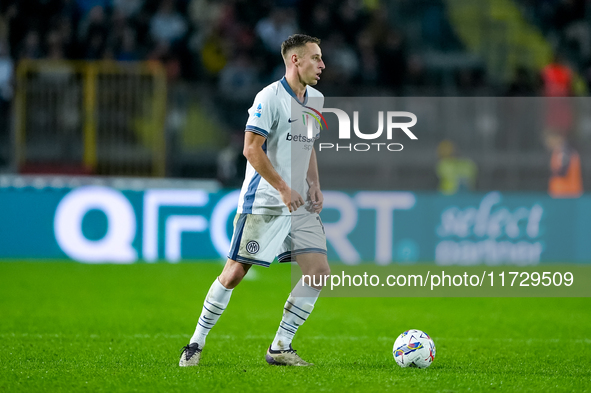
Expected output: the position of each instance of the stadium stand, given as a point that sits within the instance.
(216, 54)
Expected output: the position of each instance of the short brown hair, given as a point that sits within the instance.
(297, 41)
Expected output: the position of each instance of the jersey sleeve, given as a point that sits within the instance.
(261, 115)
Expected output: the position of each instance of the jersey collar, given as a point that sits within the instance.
(287, 88)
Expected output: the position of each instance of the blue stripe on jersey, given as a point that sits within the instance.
(211, 311)
(293, 305)
(252, 261)
(287, 256)
(291, 93)
(289, 324)
(204, 321)
(237, 237)
(302, 318)
(251, 192)
(309, 250)
(284, 254)
(257, 130)
(286, 329)
(214, 305)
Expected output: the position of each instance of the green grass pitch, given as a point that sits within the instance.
(72, 327)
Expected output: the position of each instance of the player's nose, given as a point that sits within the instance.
(321, 65)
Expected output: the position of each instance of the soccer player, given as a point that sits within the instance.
(273, 219)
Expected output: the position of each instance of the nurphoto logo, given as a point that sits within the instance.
(391, 124)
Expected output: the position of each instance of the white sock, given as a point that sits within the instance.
(298, 307)
(214, 305)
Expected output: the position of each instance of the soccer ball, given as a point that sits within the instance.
(414, 348)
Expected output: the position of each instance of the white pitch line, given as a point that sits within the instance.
(262, 337)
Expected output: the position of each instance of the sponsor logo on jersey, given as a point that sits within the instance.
(301, 138)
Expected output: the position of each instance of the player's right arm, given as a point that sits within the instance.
(256, 156)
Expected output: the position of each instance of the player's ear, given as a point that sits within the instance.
(295, 59)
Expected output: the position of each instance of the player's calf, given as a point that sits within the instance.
(214, 305)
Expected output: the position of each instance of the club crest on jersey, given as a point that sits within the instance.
(258, 111)
(252, 247)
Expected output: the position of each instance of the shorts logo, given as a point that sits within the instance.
(252, 247)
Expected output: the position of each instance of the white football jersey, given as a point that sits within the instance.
(286, 122)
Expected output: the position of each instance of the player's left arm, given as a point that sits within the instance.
(313, 179)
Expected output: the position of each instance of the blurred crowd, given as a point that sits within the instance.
(565, 23)
(234, 43)
(371, 47)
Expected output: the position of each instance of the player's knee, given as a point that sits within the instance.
(320, 273)
(231, 278)
(323, 271)
(230, 281)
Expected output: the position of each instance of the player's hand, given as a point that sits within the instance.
(292, 199)
(316, 198)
